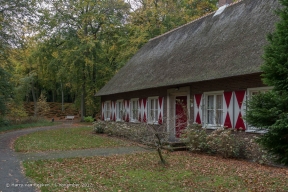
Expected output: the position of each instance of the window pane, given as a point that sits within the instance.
(218, 117)
(210, 116)
(219, 100)
(210, 102)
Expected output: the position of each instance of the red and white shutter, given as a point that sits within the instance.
(144, 110)
(239, 107)
(160, 110)
(228, 109)
(198, 108)
(127, 109)
(103, 109)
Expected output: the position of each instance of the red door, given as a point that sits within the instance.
(180, 114)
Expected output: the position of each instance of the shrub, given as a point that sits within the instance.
(42, 106)
(256, 153)
(194, 136)
(224, 142)
(99, 127)
(88, 119)
(4, 122)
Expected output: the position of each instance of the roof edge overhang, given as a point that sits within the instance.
(177, 84)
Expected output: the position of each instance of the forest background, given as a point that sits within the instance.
(66, 50)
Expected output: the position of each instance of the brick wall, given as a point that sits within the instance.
(225, 84)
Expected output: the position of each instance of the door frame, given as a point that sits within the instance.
(171, 96)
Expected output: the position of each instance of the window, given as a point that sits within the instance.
(251, 93)
(153, 110)
(120, 111)
(107, 110)
(255, 91)
(213, 113)
(134, 110)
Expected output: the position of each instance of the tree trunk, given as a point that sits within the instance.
(159, 143)
(34, 98)
(83, 110)
(62, 98)
(53, 96)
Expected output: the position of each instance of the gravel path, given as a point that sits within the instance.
(12, 177)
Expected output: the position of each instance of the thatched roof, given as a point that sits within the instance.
(229, 44)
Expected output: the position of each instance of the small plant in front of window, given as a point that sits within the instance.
(99, 126)
(88, 119)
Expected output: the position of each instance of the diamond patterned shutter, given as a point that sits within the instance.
(144, 110)
(197, 108)
(160, 110)
(239, 107)
(228, 109)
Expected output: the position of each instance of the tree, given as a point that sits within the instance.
(269, 111)
(5, 90)
(150, 18)
(83, 29)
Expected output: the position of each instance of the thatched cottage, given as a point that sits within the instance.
(201, 72)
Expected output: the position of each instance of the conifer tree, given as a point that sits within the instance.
(270, 110)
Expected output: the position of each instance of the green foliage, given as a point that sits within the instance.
(264, 109)
(4, 122)
(88, 119)
(5, 90)
(269, 111)
(275, 140)
(16, 111)
(275, 65)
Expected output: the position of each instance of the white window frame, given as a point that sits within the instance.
(153, 119)
(133, 110)
(107, 110)
(120, 110)
(214, 125)
(250, 92)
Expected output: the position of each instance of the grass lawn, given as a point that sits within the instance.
(142, 172)
(65, 139)
(23, 126)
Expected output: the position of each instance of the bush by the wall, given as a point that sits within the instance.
(88, 119)
(195, 137)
